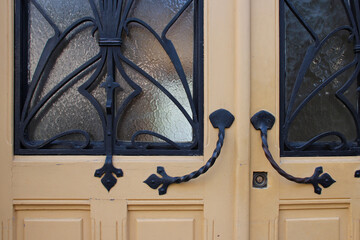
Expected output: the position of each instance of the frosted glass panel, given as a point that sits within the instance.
(65, 12)
(152, 110)
(68, 110)
(78, 48)
(158, 13)
(74, 50)
(318, 62)
(40, 32)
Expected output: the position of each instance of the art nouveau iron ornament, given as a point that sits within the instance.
(319, 68)
(111, 22)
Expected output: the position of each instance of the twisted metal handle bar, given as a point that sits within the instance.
(264, 121)
(220, 119)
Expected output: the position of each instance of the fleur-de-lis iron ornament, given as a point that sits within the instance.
(111, 22)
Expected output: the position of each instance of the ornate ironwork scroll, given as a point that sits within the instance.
(111, 23)
(306, 82)
(220, 119)
(264, 121)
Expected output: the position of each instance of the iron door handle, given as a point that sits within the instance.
(220, 119)
(264, 121)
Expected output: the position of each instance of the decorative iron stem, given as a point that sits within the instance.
(110, 85)
(220, 119)
(264, 121)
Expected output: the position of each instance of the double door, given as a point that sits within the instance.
(57, 196)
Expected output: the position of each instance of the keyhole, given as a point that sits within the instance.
(259, 179)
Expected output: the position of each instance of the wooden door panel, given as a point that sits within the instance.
(58, 197)
(53, 228)
(284, 209)
(53, 220)
(175, 219)
(314, 219)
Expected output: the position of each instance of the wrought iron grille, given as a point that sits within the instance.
(98, 58)
(319, 83)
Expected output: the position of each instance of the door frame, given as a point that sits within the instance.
(6, 121)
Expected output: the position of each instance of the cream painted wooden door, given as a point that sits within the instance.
(287, 210)
(51, 197)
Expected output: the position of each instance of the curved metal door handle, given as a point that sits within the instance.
(264, 121)
(220, 119)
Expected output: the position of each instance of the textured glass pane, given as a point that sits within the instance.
(158, 13)
(40, 32)
(297, 41)
(68, 110)
(312, 106)
(182, 36)
(65, 12)
(78, 48)
(323, 16)
(152, 110)
(124, 67)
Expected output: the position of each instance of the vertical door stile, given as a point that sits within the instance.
(242, 105)
(6, 108)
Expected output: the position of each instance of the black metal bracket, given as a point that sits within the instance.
(264, 121)
(220, 119)
(108, 169)
(357, 174)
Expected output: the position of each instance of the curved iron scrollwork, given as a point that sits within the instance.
(296, 105)
(220, 119)
(111, 22)
(264, 121)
